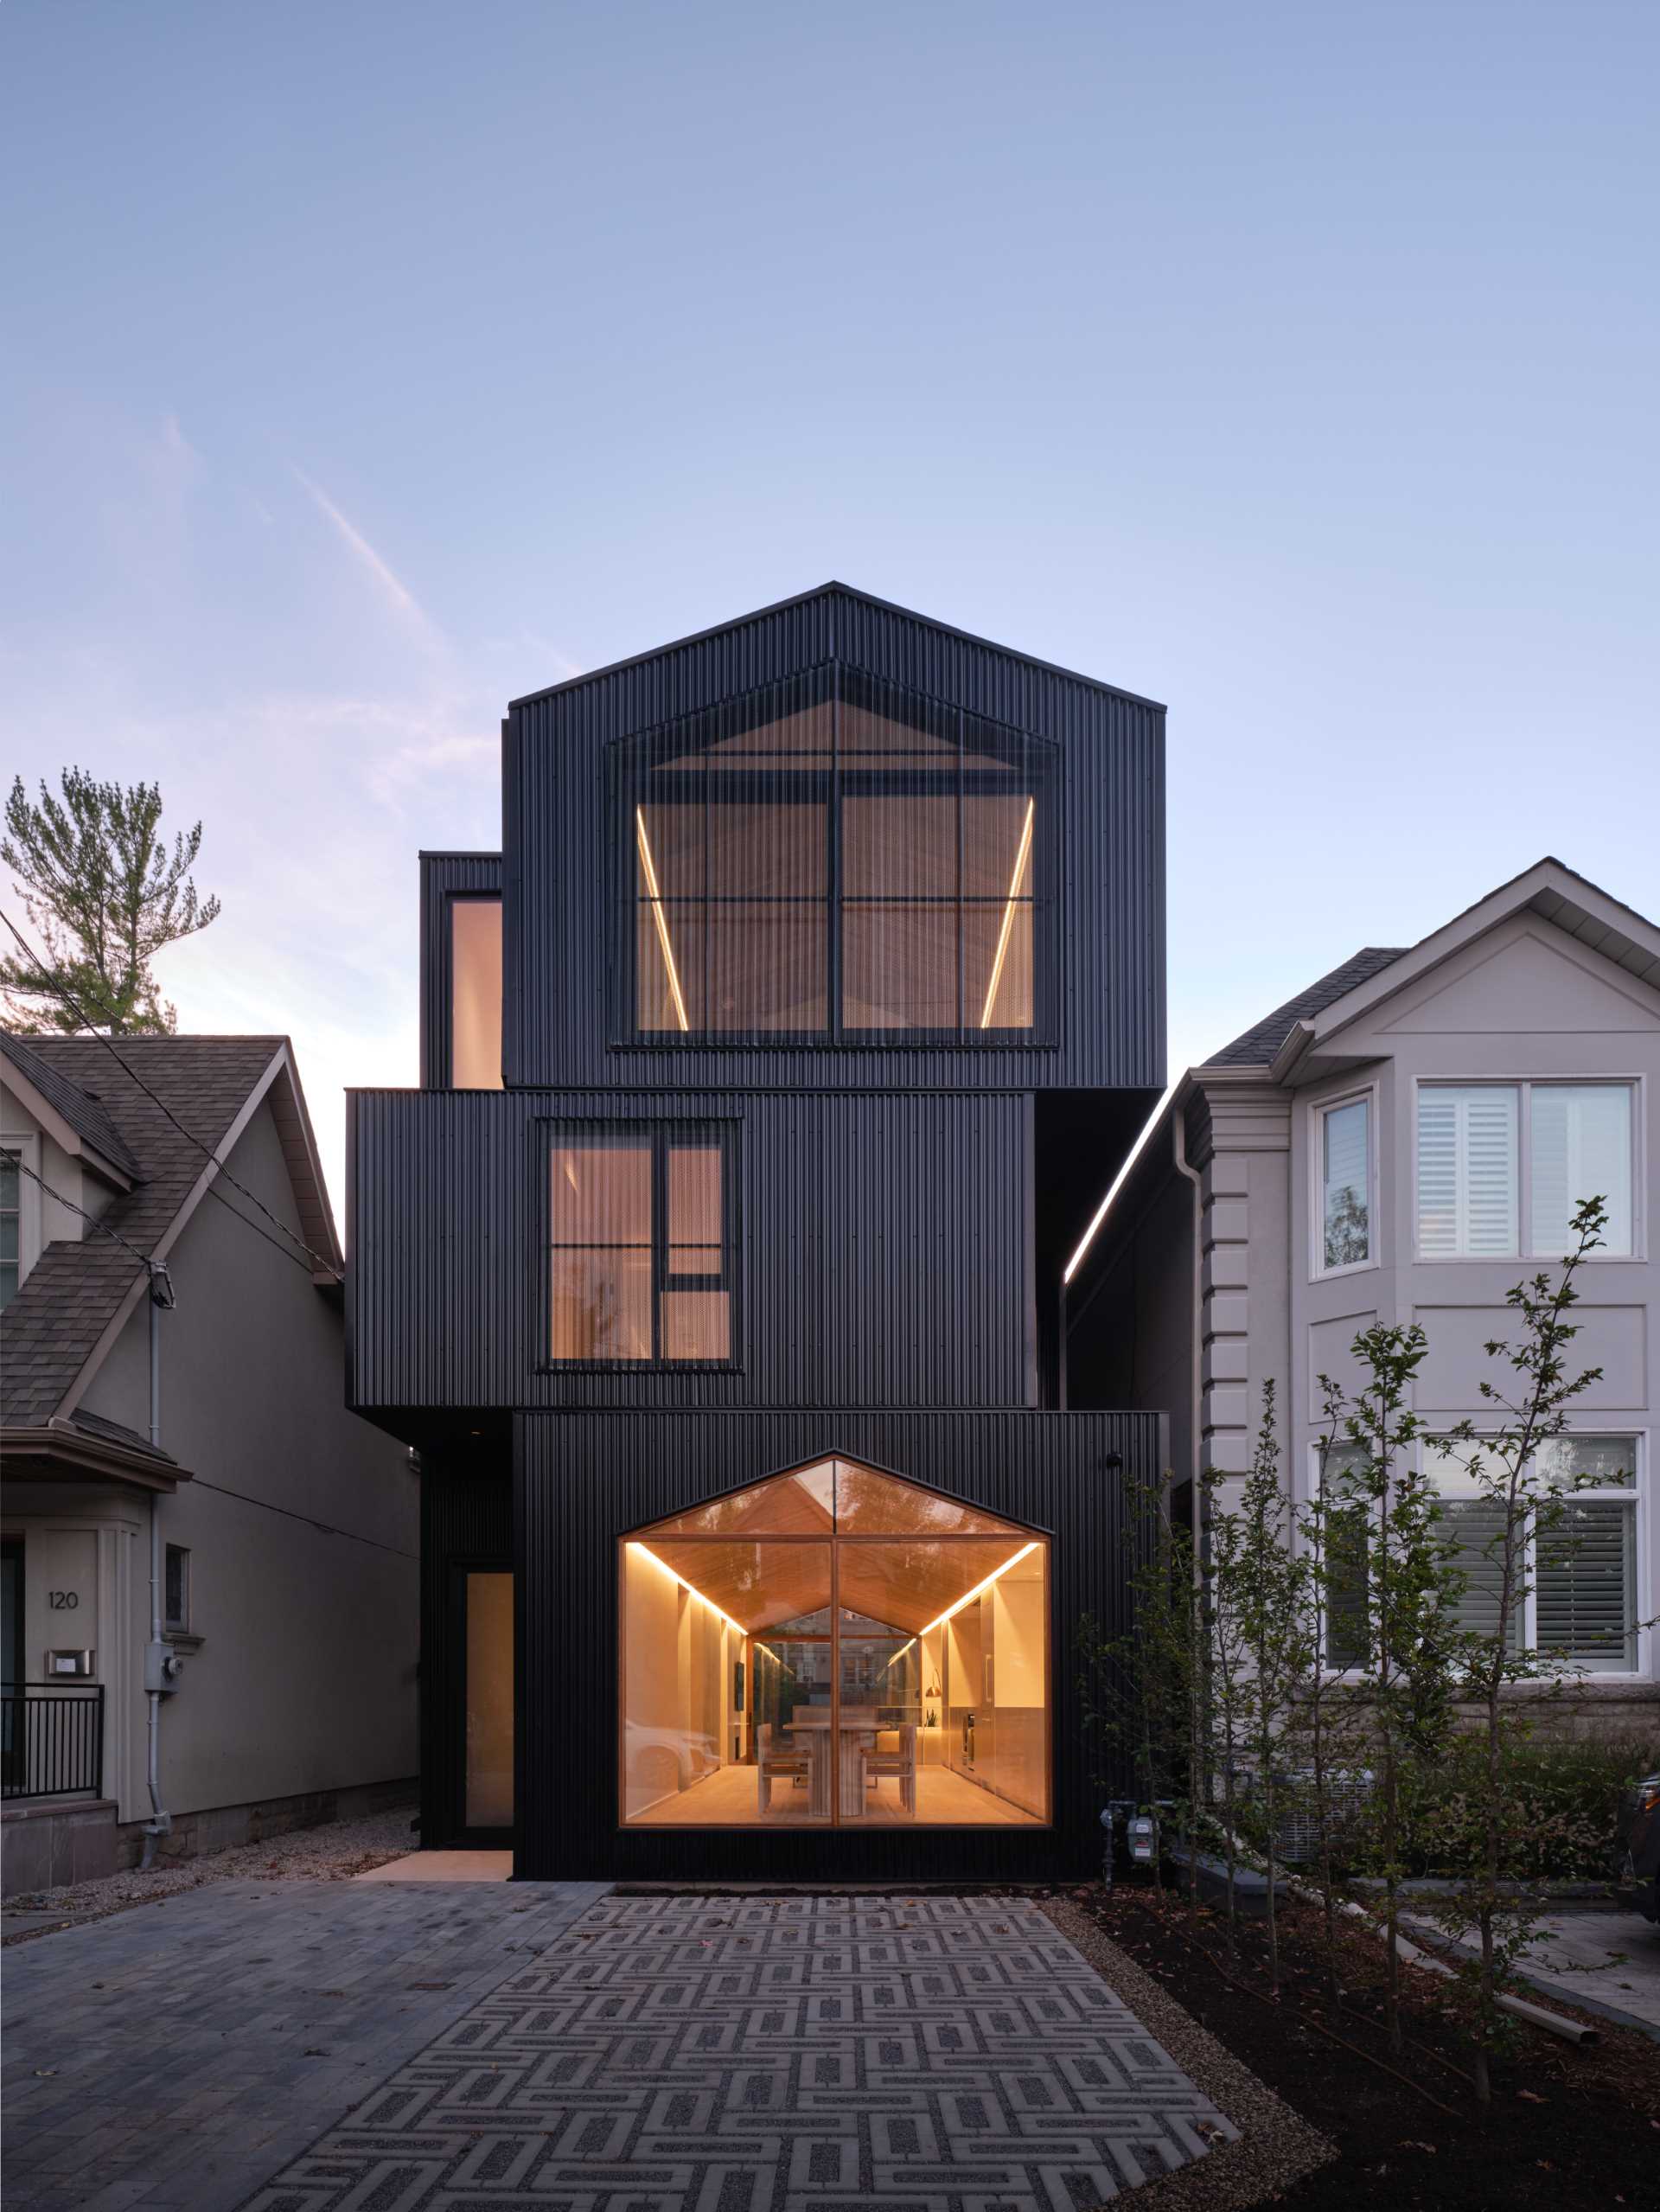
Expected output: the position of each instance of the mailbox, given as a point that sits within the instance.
(59, 1664)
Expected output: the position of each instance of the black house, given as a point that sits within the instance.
(770, 1074)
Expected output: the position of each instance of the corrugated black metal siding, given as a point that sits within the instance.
(884, 1252)
(559, 946)
(581, 1483)
(466, 1520)
(446, 876)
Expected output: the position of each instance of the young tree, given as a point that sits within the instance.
(1405, 1605)
(103, 896)
(1523, 1493)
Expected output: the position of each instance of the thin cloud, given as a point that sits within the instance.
(402, 598)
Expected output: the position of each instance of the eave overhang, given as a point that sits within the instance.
(56, 1451)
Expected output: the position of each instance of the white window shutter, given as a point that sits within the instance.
(1468, 1187)
(1586, 1604)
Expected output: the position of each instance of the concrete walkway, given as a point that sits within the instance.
(774, 2054)
(179, 2054)
(1609, 1959)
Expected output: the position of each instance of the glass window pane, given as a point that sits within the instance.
(884, 728)
(789, 732)
(1586, 1607)
(778, 849)
(694, 1208)
(1347, 1527)
(1448, 1462)
(475, 994)
(1603, 1462)
(11, 1181)
(602, 1194)
(1346, 1184)
(998, 966)
(1581, 1149)
(899, 967)
(871, 1504)
(669, 966)
(601, 1305)
(998, 832)
(668, 846)
(768, 967)
(697, 1325)
(700, 1626)
(899, 844)
(1476, 1530)
(799, 1504)
(490, 1701)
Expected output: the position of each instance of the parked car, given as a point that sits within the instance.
(1640, 1828)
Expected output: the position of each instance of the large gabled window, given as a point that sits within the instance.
(837, 857)
(641, 1243)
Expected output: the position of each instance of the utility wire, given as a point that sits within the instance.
(50, 983)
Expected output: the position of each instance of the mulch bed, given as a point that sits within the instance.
(1568, 2128)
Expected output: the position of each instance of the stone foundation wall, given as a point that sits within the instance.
(220, 1827)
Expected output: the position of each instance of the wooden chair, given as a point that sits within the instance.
(899, 1761)
(775, 1757)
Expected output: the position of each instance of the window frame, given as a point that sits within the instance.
(1318, 1108)
(832, 683)
(26, 1144)
(663, 1136)
(451, 900)
(183, 1626)
(1525, 1086)
(1634, 1493)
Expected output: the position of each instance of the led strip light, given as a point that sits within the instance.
(644, 843)
(663, 1563)
(1007, 930)
(978, 1587)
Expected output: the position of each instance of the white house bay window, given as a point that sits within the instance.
(1503, 1167)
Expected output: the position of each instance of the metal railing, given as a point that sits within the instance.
(51, 1740)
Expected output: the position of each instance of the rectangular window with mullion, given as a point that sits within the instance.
(641, 1239)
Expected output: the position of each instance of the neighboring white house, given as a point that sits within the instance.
(1403, 1143)
(285, 1529)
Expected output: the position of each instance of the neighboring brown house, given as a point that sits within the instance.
(202, 1431)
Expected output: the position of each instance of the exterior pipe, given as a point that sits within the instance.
(160, 1822)
(1196, 1385)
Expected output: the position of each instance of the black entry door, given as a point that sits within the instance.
(482, 1613)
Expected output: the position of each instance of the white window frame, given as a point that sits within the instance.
(1318, 1108)
(26, 1144)
(1634, 1493)
(1525, 1085)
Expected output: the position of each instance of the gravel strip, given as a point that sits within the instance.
(1275, 2147)
(332, 1852)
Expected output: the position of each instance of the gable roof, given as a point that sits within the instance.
(83, 1110)
(833, 590)
(1259, 1044)
(79, 1293)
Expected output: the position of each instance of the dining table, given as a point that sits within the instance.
(855, 1732)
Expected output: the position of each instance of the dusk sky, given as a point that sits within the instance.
(367, 364)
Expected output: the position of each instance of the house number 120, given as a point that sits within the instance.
(62, 1601)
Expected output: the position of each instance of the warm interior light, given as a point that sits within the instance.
(898, 1655)
(978, 1587)
(1117, 1184)
(659, 917)
(1007, 930)
(648, 1553)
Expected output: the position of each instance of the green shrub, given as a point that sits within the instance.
(1562, 1809)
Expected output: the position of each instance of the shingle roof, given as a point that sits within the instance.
(83, 1109)
(75, 1289)
(1259, 1044)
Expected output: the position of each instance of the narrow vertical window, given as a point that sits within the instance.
(1348, 1523)
(1581, 1148)
(177, 1592)
(1468, 1185)
(475, 994)
(1585, 1601)
(11, 1227)
(1345, 1185)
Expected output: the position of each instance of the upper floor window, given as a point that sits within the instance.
(641, 1238)
(1503, 1167)
(475, 994)
(20, 1213)
(833, 857)
(1343, 1236)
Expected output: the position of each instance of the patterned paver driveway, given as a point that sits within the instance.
(774, 2054)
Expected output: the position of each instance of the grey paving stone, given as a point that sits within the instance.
(774, 2054)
